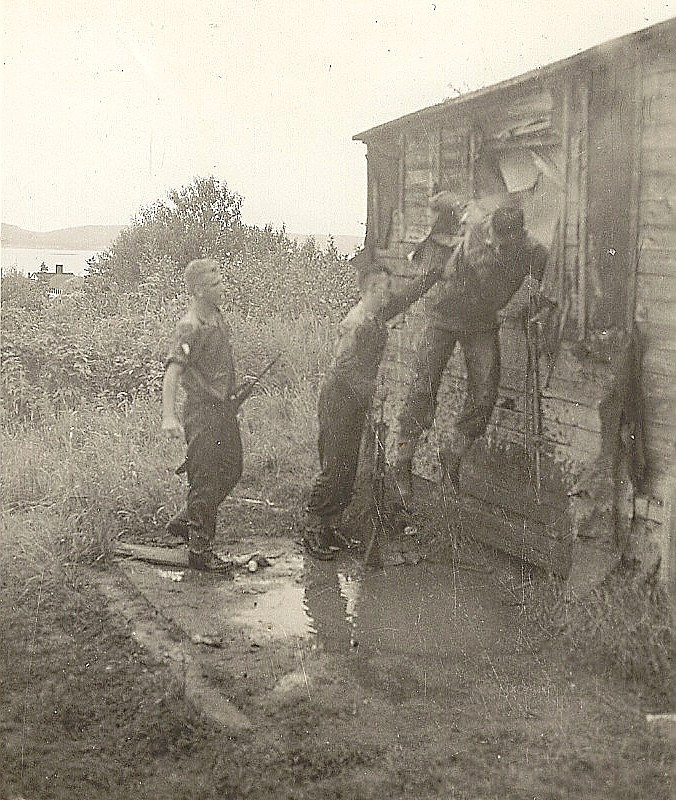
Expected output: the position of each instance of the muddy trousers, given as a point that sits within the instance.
(341, 416)
(214, 466)
(481, 351)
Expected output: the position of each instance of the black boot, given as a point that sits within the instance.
(201, 554)
(317, 536)
(177, 528)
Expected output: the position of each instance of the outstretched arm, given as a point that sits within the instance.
(412, 291)
(434, 261)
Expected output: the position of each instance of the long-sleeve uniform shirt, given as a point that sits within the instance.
(475, 284)
(478, 282)
(358, 352)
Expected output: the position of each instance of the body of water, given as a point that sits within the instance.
(27, 260)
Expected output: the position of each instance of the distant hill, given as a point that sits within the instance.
(85, 237)
(99, 237)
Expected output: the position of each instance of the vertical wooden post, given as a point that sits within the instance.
(372, 215)
(470, 161)
(435, 157)
(635, 193)
(563, 211)
(401, 190)
(584, 203)
(375, 213)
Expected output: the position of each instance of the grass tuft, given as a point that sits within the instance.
(624, 625)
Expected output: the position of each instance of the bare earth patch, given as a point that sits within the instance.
(313, 680)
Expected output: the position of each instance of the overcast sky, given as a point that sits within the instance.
(109, 104)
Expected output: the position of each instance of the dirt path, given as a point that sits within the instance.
(326, 680)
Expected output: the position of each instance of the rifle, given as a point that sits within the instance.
(380, 429)
(240, 395)
(533, 406)
(245, 388)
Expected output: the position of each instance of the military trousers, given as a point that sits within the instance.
(341, 414)
(213, 464)
(481, 351)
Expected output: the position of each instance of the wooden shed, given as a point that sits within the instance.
(587, 146)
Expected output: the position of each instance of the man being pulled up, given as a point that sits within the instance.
(488, 265)
(348, 386)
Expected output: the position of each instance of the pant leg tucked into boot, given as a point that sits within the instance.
(214, 467)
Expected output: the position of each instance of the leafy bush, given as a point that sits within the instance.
(67, 354)
(196, 221)
(264, 269)
(105, 344)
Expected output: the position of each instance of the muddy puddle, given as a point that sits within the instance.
(412, 630)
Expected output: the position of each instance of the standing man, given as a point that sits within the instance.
(348, 387)
(488, 266)
(202, 361)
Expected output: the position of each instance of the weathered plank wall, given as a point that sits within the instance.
(439, 153)
(576, 113)
(655, 309)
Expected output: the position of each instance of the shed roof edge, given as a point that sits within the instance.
(531, 75)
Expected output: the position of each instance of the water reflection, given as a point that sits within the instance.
(413, 631)
(416, 630)
(277, 608)
(420, 610)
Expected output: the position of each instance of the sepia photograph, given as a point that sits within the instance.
(338, 400)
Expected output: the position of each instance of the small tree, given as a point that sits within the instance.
(197, 221)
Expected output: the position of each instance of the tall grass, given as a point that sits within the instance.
(624, 625)
(83, 468)
(79, 478)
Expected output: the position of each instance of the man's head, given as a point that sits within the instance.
(374, 285)
(203, 280)
(506, 229)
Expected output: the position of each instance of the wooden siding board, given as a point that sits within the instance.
(418, 158)
(656, 262)
(654, 311)
(520, 536)
(570, 401)
(656, 237)
(658, 213)
(656, 288)
(418, 179)
(658, 362)
(658, 138)
(414, 235)
(660, 408)
(454, 137)
(660, 75)
(547, 545)
(659, 161)
(659, 184)
(660, 448)
(659, 336)
(658, 106)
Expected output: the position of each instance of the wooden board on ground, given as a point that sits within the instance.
(164, 556)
